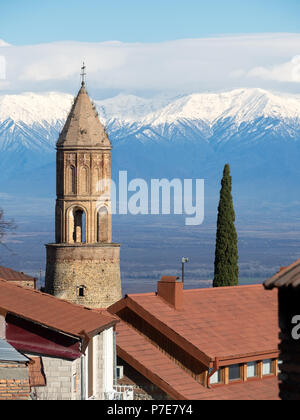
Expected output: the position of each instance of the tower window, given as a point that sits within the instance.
(81, 291)
(79, 226)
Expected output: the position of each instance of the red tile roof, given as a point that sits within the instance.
(52, 312)
(286, 277)
(155, 365)
(261, 389)
(226, 323)
(159, 369)
(11, 275)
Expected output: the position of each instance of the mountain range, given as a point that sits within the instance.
(190, 136)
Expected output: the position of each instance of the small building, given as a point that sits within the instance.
(287, 281)
(219, 343)
(14, 373)
(17, 277)
(71, 347)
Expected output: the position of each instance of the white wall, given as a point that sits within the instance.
(2, 327)
(64, 377)
(108, 360)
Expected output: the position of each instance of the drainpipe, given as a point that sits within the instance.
(215, 369)
(83, 388)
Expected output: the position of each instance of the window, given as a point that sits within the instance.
(279, 364)
(267, 367)
(81, 291)
(251, 370)
(216, 377)
(234, 372)
(120, 372)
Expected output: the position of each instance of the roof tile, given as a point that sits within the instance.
(52, 312)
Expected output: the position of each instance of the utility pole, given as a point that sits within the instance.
(184, 260)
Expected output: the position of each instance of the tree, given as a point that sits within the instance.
(226, 257)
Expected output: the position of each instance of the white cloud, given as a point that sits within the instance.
(3, 43)
(187, 65)
(286, 72)
(2, 68)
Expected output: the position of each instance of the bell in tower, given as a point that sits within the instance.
(83, 266)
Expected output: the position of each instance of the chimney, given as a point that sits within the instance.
(171, 290)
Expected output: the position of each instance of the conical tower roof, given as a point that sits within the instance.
(83, 128)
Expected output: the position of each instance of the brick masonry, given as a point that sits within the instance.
(14, 382)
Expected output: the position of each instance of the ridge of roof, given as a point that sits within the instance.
(202, 290)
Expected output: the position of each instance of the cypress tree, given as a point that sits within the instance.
(226, 258)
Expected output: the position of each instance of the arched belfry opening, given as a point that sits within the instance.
(77, 225)
(102, 225)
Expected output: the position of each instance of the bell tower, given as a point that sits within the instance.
(83, 266)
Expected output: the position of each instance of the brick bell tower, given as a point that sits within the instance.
(83, 266)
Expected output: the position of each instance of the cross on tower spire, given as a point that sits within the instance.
(83, 74)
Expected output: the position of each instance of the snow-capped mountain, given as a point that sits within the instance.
(32, 108)
(256, 131)
(241, 104)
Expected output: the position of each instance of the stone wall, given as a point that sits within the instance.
(25, 283)
(95, 268)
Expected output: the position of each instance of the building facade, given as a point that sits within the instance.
(70, 349)
(83, 266)
(17, 277)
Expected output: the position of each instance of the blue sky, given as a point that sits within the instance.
(151, 47)
(35, 21)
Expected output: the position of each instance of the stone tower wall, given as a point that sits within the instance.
(94, 269)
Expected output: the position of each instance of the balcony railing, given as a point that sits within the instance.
(120, 392)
